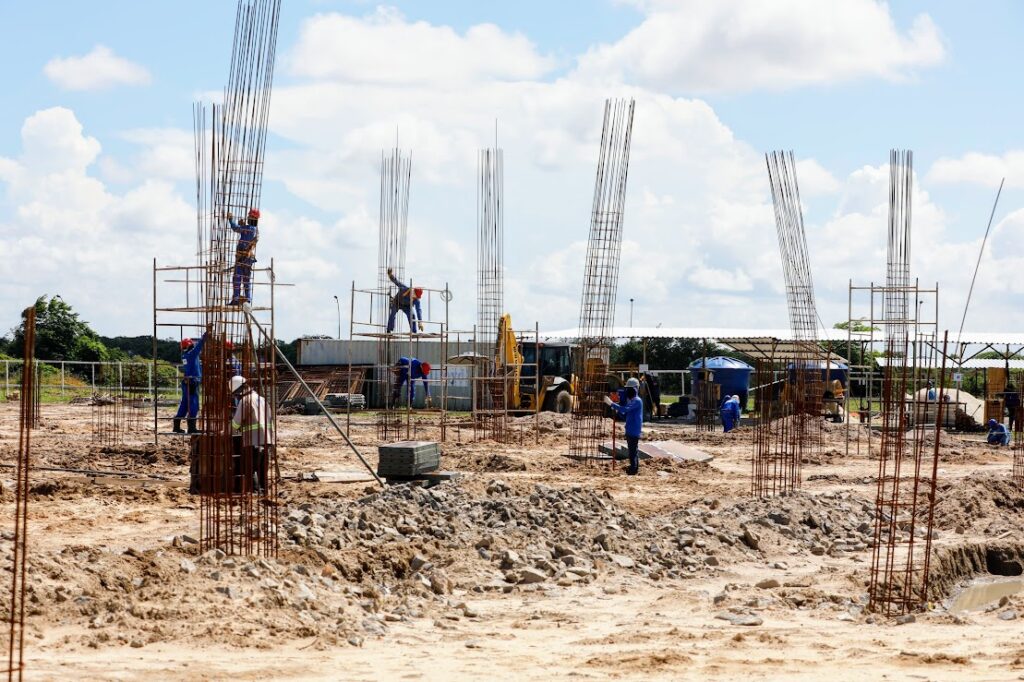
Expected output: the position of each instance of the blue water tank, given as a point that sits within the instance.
(836, 370)
(731, 374)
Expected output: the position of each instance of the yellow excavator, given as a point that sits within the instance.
(557, 389)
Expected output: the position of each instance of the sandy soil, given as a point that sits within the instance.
(116, 593)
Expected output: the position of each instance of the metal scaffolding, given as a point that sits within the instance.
(400, 413)
(600, 281)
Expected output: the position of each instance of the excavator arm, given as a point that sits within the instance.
(507, 354)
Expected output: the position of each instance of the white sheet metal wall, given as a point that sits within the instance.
(364, 352)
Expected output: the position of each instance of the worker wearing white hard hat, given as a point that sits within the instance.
(253, 422)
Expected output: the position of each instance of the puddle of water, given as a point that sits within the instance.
(982, 594)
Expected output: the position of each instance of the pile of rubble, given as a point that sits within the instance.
(347, 569)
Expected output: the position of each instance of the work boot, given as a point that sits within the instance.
(192, 426)
(177, 426)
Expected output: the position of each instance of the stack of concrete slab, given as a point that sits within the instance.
(408, 458)
(660, 449)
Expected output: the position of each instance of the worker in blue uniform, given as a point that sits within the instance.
(730, 413)
(633, 411)
(191, 375)
(405, 300)
(408, 370)
(998, 434)
(245, 255)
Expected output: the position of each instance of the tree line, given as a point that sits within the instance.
(61, 334)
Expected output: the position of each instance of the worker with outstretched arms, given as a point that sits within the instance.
(405, 300)
(633, 411)
(191, 375)
(409, 370)
(245, 255)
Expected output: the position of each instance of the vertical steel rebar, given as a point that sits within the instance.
(600, 281)
(19, 561)
(785, 439)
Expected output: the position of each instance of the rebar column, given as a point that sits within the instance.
(908, 456)
(490, 394)
(393, 224)
(238, 506)
(783, 440)
(19, 563)
(600, 281)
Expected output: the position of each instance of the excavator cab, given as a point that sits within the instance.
(557, 382)
(556, 389)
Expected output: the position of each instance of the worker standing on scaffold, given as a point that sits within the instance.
(405, 300)
(245, 255)
(191, 375)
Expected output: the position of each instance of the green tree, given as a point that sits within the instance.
(91, 349)
(168, 350)
(666, 353)
(858, 326)
(58, 331)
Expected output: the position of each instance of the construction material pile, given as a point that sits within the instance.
(348, 569)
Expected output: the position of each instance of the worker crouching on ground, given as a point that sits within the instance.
(245, 255)
(730, 413)
(252, 422)
(405, 300)
(998, 434)
(409, 370)
(191, 376)
(633, 411)
(834, 399)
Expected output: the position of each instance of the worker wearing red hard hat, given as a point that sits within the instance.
(405, 300)
(245, 255)
(409, 370)
(191, 375)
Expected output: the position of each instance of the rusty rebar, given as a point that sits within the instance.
(601, 281)
(19, 565)
(788, 430)
(905, 496)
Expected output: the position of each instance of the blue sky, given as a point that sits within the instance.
(716, 85)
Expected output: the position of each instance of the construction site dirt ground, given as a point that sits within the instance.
(530, 566)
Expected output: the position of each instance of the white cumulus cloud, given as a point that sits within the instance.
(100, 69)
(737, 45)
(64, 232)
(980, 169)
(386, 48)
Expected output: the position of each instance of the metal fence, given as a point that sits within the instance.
(68, 379)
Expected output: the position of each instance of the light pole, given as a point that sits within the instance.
(630, 313)
(337, 304)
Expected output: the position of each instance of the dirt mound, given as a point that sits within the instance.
(991, 503)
